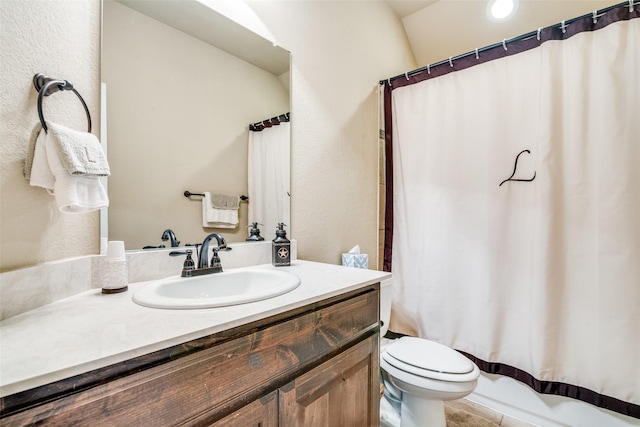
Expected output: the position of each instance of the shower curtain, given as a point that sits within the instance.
(269, 173)
(513, 208)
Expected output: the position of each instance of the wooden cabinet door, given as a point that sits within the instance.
(344, 391)
(259, 413)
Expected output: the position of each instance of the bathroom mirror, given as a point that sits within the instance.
(181, 84)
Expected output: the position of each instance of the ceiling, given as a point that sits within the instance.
(404, 8)
(198, 19)
(437, 30)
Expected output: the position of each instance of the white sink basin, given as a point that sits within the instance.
(217, 289)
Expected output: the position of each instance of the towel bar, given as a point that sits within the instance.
(46, 86)
(189, 194)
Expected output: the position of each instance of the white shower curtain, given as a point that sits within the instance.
(541, 275)
(269, 177)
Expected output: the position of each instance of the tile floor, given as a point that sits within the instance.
(459, 413)
(481, 413)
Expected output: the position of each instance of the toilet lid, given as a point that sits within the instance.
(424, 354)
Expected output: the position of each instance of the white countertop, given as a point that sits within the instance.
(92, 330)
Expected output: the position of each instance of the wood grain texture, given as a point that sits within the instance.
(19, 401)
(340, 392)
(262, 412)
(213, 382)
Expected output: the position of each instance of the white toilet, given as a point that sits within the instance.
(421, 374)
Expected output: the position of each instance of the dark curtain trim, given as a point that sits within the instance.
(619, 12)
(558, 388)
(274, 121)
(388, 179)
(548, 387)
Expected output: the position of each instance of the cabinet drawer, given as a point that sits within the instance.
(218, 380)
(262, 412)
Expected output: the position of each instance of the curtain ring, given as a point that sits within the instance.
(595, 16)
(504, 44)
(428, 68)
(477, 56)
(389, 81)
(563, 26)
(630, 6)
(539, 33)
(406, 74)
(451, 61)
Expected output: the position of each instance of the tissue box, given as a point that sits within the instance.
(355, 260)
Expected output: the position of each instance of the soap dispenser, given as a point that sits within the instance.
(254, 233)
(281, 247)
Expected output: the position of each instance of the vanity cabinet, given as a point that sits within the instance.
(315, 365)
(340, 392)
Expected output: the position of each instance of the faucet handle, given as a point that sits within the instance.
(215, 260)
(188, 266)
(197, 246)
(188, 252)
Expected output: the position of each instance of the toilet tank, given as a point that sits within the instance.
(385, 305)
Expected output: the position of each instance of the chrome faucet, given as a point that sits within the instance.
(168, 234)
(204, 251)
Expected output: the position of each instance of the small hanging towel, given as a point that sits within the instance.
(80, 152)
(36, 168)
(68, 164)
(220, 210)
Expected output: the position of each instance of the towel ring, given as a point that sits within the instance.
(46, 86)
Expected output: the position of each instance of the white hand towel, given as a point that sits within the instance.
(217, 218)
(28, 163)
(224, 201)
(74, 193)
(80, 152)
(39, 172)
(78, 194)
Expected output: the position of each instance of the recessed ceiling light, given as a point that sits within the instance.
(501, 10)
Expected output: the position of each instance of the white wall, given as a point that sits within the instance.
(341, 49)
(60, 38)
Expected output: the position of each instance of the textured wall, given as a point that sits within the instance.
(340, 50)
(62, 39)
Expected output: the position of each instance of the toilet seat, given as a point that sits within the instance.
(428, 359)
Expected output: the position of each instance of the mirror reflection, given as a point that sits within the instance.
(178, 110)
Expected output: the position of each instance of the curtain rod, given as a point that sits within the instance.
(562, 25)
(274, 121)
(281, 118)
